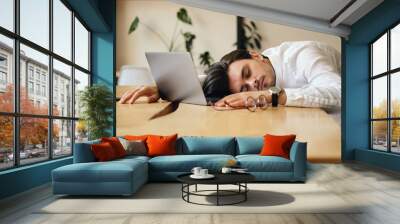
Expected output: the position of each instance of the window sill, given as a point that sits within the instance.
(30, 166)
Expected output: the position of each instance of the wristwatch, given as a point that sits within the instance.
(275, 90)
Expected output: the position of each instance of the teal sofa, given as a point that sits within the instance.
(125, 176)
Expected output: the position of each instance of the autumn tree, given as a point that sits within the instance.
(33, 131)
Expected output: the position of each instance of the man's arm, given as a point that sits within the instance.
(324, 82)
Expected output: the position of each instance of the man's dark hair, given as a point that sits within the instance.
(216, 84)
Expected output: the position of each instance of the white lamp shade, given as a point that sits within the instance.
(131, 75)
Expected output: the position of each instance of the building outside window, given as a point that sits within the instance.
(385, 91)
(30, 87)
(59, 128)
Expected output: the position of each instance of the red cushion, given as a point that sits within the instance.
(277, 145)
(161, 145)
(103, 151)
(136, 137)
(116, 145)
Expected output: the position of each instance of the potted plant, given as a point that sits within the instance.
(96, 102)
(182, 18)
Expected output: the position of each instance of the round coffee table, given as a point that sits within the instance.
(238, 179)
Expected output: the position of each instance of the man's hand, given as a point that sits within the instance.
(131, 96)
(237, 100)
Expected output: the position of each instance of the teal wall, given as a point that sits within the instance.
(99, 15)
(103, 52)
(356, 101)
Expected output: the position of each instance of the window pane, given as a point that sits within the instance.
(62, 138)
(62, 89)
(81, 132)
(379, 135)
(379, 97)
(395, 47)
(62, 29)
(7, 14)
(395, 138)
(81, 81)
(35, 21)
(81, 45)
(379, 55)
(34, 72)
(395, 94)
(33, 139)
(6, 142)
(6, 74)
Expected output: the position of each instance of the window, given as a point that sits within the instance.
(44, 91)
(7, 14)
(385, 91)
(3, 78)
(81, 45)
(7, 73)
(37, 89)
(47, 75)
(30, 72)
(3, 61)
(30, 87)
(34, 22)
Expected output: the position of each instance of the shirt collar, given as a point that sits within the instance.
(275, 61)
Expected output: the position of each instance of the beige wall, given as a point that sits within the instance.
(215, 32)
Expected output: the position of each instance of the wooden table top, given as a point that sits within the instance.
(311, 125)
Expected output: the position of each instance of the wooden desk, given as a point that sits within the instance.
(311, 125)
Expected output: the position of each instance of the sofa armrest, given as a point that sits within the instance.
(83, 152)
(298, 155)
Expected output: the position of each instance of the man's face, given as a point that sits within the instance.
(250, 75)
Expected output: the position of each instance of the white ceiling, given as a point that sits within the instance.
(320, 9)
(314, 15)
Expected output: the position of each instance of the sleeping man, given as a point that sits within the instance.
(307, 74)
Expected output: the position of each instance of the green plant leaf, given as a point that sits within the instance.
(134, 25)
(189, 37)
(251, 45)
(258, 44)
(96, 103)
(259, 36)
(253, 24)
(206, 59)
(247, 27)
(183, 16)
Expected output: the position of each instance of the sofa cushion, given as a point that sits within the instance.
(103, 152)
(185, 163)
(249, 145)
(116, 145)
(277, 145)
(112, 171)
(191, 145)
(159, 145)
(257, 163)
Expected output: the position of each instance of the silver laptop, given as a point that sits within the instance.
(176, 77)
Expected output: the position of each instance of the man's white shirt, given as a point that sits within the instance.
(309, 72)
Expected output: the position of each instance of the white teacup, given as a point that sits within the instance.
(226, 170)
(196, 171)
(203, 172)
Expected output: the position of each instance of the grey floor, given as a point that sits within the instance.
(377, 188)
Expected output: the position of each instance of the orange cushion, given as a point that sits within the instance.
(116, 145)
(103, 152)
(136, 137)
(161, 145)
(277, 145)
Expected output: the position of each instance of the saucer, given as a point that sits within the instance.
(208, 176)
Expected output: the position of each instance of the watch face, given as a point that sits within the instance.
(275, 89)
